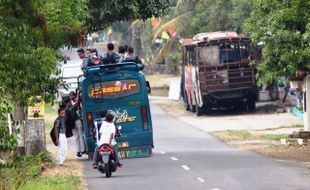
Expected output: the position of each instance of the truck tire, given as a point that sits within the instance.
(199, 110)
(251, 105)
(185, 101)
(192, 108)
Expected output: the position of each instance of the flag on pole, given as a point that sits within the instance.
(154, 22)
(171, 32)
(165, 36)
(109, 31)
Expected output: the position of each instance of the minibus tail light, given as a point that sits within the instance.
(89, 121)
(144, 117)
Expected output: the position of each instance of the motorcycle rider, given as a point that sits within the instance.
(107, 132)
(97, 124)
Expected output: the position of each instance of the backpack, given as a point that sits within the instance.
(94, 61)
(52, 135)
(70, 124)
(111, 58)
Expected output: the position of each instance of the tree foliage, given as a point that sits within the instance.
(33, 31)
(30, 34)
(104, 13)
(189, 17)
(211, 15)
(283, 27)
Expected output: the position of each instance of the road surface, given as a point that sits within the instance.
(186, 158)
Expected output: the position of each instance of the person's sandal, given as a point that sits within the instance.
(78, 154)
(119, 165)
(94, 166)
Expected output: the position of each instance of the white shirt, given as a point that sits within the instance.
(106, 130)
(97, 124)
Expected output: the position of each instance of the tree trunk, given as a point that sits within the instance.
(34, 136)
(136, 40)
(19, 113)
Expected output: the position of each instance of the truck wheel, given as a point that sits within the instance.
(199, 110)
(192, 108)
(185, 101)
(251, 105)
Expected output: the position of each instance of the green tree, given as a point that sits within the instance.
(32, 31)
(104, 13)
(30, 34)
(189, 17)
(283, 27)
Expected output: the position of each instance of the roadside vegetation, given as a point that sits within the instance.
(40, 171)
(243, 135)
(54, 183)
(21, 170)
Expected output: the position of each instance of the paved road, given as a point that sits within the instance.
(186, 158)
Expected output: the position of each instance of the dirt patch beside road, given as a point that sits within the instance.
(268, 144)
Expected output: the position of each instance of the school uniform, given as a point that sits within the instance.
(62, 147)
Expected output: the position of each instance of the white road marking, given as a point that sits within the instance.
(185, 167)
(200, 180)
(162, 152)
(215, 189)
(174, 158)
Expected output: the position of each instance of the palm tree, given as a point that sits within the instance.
(177, 21)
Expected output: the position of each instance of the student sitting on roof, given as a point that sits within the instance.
(111, 56)
(132, 58)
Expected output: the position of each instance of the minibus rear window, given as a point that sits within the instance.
(113, 89)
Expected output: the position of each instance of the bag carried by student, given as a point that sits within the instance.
(52, 133)
(70, 124)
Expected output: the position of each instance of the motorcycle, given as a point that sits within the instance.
(106, 162)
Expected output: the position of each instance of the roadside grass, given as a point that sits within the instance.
(160, 84)
(284, 127)
(54, 183)
(243, 135)
(164, 92)
(231, 135)
(273, 137)
(49, 109)
(50, 116)
(160, 80)
(20, 170)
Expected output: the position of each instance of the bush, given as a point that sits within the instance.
(7, 142)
